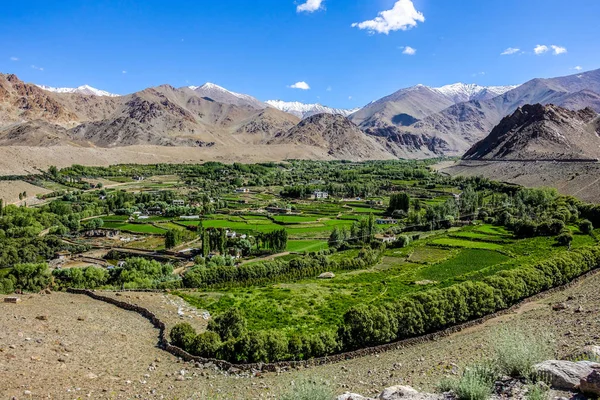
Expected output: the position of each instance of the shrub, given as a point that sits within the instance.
(229, 325)
(182, 335)
(206, 344)
(565, 238)
(476, 383)
(537, 392)
(586, 226)
(518, 350)
(306, 390)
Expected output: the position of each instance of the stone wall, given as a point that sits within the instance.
(272, 367)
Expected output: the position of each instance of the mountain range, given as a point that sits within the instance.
(414, 122)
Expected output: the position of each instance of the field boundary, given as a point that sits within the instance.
(164, 343)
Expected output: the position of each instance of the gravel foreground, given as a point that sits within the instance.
(64, 346)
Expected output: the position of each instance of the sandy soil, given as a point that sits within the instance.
(576, 179)
(87, 348)
(9, 191)
(20, 160)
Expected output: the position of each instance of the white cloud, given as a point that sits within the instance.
(310, 6)
(558, 50)
(540, 49)
(14, 59)
(300, 85)
(38, 68)
(123, 72)
(577, 68)
(329, 88)
(408, 50)
(509, 51)
(349, 97)
(402, 16)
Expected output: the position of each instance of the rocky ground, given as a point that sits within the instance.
(65, 346)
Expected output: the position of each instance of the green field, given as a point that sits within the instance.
(135, 228)
(306, 245)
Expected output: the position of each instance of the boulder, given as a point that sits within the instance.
(327, 275)
(352, 396)
(406, 392)
(564, 375)
(590, 385)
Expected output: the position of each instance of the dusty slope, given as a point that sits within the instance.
(579, 179)
(22, 160)
(537, 132)
(9, 191)
(336, 135)
(108, 354)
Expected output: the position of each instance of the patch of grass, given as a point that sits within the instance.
(423, 254)
(306, 245)
(468, 244)
(466, 261)
(476, 383)
(518, 350)
(307, 390)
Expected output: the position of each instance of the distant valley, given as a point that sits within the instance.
(211, 122)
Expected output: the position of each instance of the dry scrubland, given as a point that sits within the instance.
(79, 347)
(581, 180)
(9, 190)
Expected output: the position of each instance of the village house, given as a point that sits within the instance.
(317, 194)
(242, 190)
(179, 203)
(386, 221)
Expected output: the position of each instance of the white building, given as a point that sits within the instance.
(242, 190)
(317, 194)
(180, 203)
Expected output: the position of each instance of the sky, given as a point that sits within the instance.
(341, 53)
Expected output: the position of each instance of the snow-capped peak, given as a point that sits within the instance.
(85, 89)
(460, 92)
(302, 110)
(221, 94)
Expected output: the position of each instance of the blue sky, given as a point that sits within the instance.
(263, 47)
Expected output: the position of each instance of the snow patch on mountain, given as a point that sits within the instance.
(302, 110)
(85, 89)
(220, 94)
(461, 92)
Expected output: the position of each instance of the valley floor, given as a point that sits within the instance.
(71, 346)
(23, 160)
(579, 179)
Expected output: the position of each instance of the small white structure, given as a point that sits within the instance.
(386, 221)
(231, 234)
(179, 203)
(317, 194)
(242, 190)
(189, 217)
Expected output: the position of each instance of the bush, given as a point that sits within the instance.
(518, 350)
(206, 344)
(183, 335)
(229, 325)
(537, 392)
(476, 383)
(565, 238)
(586, 226)
(306, 390)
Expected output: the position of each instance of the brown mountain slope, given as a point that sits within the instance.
(163, 116)
(336, 134)
(538, 132)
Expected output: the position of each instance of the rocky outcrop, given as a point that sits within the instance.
(538, 132)
(565, 375)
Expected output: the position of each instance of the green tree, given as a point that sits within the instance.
(172, 238)
(229, 325)
(399, 201)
